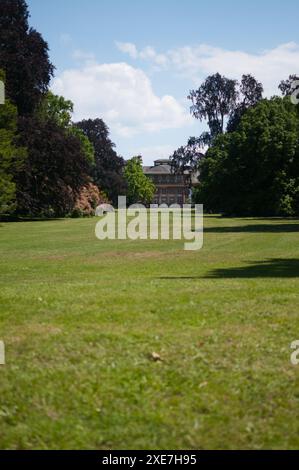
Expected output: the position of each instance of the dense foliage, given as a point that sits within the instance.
(54, 171)
(59, 110)
(48, 165)
(108, 168)
(221, 102)
(255, 170)
(11, 157)
(23, 56)
(141, 189)
(214, 100)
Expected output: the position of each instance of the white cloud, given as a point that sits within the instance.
(147, 53)
(196, 62)
(128, 48)
(123, 96)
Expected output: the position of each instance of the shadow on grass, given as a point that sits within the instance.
(275, 268)
(254, 228)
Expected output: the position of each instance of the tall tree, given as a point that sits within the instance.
(108, 168)
(54, 172)
(254, 171)
(214, 100)
(11, 157)
(23, 56)
(59, 110)
(250, 93)
(287, 87)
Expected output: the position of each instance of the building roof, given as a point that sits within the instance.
(161, 167)
(162, 161)
(158, 170)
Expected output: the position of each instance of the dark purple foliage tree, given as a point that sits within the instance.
(54, 172)
(108, 168)
(23, 56)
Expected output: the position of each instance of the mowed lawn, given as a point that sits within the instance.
(80, 319)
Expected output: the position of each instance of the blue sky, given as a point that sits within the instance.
(133, 62)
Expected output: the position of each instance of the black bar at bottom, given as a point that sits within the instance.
(134, 459)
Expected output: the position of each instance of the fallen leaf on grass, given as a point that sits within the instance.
(203, 384)
(156, 357)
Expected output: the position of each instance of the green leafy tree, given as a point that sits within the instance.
(188, 156)
(86, 146)
(214, 100)
(250, 93)
(57, 109)
(255, 170)
(11, 156)
(287, 87)
(140, 188)
(220, 99)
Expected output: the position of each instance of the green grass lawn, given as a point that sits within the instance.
(80, 319)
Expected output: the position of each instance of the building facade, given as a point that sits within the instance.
(171, 188)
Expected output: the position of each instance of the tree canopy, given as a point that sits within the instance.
(24, 56)
(289, 85)
(11, 157)
(59, 110)
(108, 168)
(141, 189)
(188, 156)
(54, 171)
(214, 100)
(220, 99)
(255, 170)
(48, 163)
(61, 170)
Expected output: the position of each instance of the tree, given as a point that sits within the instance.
(54, 172)
(141, 189)
(219, 98)
(59, 110)
(255, 170)
(23, 56)
(108, 169)
(250, 93)
(188, 156)
(11, 157)
(214, 100)
(287, 87)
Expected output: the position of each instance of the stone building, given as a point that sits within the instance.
(171, 188)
